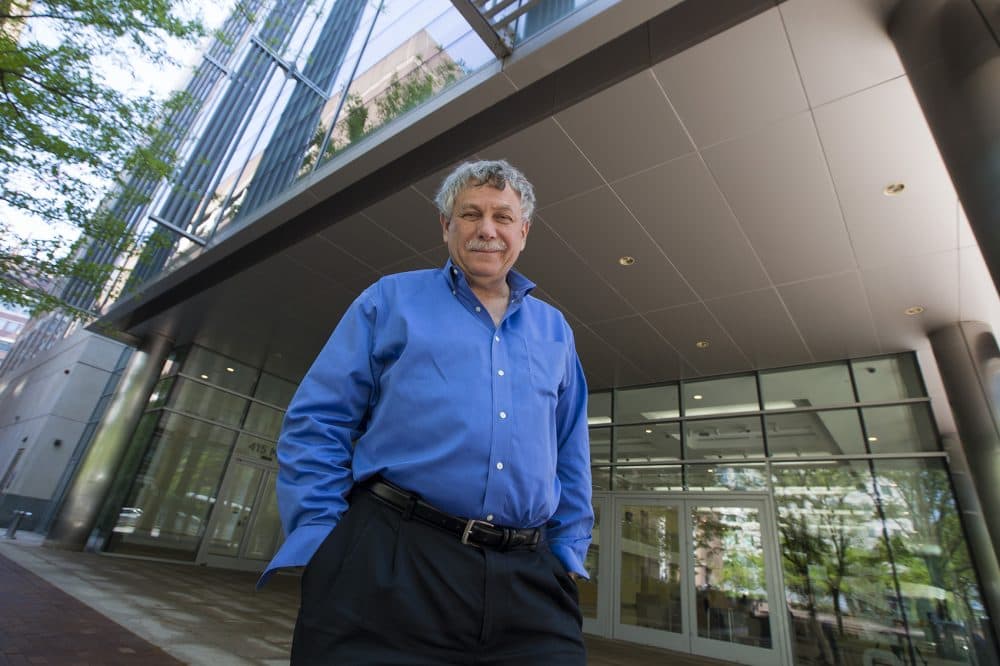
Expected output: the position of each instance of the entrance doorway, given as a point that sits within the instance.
(696, 573)
(244, 530)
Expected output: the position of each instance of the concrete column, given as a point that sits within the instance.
(951, 53)
(94, 477)
(969, 361)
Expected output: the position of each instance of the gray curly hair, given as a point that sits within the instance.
(495, 173)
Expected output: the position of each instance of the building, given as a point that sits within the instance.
(11, 324)
(770, 224)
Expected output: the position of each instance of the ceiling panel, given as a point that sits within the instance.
(681, 207)
(686, 325)
(977, 295)
(437, 256)
(875, 138)
(758, 323)
(549, 159)
(325, 260)
(601, 230)
(833, 316)
(930, 281)
(408, 216)
(599, 360)
(638, 342)
(840, 47)
(777, 183)
(414, 262)
(965, 236)
(554, 267)
(367, 242)
(735, 82)
(622, 140)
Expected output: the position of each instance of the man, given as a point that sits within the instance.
(434, 462)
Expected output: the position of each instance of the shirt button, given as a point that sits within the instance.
(496, 338)
(499, 465)
(503, 415)
(478, 309)
(500, 372)
(489, 518)
(452, 292)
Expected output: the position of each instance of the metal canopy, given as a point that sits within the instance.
(491, 21)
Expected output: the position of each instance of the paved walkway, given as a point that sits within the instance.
(71, 608)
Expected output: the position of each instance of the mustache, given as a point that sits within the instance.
(485, 246)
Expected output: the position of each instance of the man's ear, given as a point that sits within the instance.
(444, 227)
(524, 233)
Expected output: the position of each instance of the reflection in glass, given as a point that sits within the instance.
(192, 397)
(653, 403)
(600, 478)
(263, 420)
(599, 408)
(274, 390)
(900, 429)
(728, 395)
(944, 607)
(600, 445)
(814, 433)
(650, 576)
(589, 588)
(164, 513)
(231, 515)
(265, 536)
(219, 370)
(654, 442)
(721, 476)
(814, 386)
(730, 584)
(659, 478)
(839, 582)
(891, 378)
(738, 437)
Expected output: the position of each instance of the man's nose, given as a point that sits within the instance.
(487, 227)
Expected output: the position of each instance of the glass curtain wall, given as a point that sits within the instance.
(205, 410)
(875, 563)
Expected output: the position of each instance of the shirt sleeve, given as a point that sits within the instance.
(569, 528)
(315, 448)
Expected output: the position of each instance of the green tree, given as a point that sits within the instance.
(68, 136)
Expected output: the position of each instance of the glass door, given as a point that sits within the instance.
(244, 530)
(699, 575)
(595, 599)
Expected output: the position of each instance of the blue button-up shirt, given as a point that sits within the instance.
(417, 384)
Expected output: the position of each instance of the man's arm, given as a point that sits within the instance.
(569, 529)
(315, 448)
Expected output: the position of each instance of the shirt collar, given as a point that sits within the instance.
(520, 286)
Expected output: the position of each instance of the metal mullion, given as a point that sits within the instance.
(495, 9)
(482, 27)
(514, 15)
(204, 382)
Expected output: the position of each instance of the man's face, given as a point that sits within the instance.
(486, 232)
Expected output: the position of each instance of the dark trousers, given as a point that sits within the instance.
(384, 590)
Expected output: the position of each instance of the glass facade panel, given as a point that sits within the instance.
(265, 535)
(889, 378)
(263, 420)
(945, 615)
(727, 395)
(725, 477)
(161, 392)
(653, 403)
(202, 400)
(814, 433)
(165, 512)
(650, 574)
(600, 478)
(231, 513)
(738, 437)
(814, 386)
(274, 390)
(600, 445)
(728, 567)
(589, 588)
(599, 408)
(900, 429)
(655, 442)
(219, 370)
(839, 582)
(661, 478)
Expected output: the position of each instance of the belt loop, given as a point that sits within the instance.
(411, 504)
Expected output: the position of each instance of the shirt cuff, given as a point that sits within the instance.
(297, 550)
(570, 558)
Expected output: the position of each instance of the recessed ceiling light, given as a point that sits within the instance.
(702, 344)
(649, 431)
(698, 396)
(204, 376)
(915, 310)
(892, 189)
(230, 369)
(626, 260)
(873, 439)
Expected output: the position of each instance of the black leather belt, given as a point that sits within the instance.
(470, 531)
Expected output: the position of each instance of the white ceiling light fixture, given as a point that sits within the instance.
(698, 396)
(702, 344)
(204, 376)
(626, 260)
(230, 369)
(914, 310)
(893, 189)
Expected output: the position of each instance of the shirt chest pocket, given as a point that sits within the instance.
(547, 365)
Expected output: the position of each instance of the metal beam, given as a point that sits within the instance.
(198, 240)
(482, 26)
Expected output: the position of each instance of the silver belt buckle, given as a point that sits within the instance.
(469, 524)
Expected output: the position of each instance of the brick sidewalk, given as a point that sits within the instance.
(40, 624)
